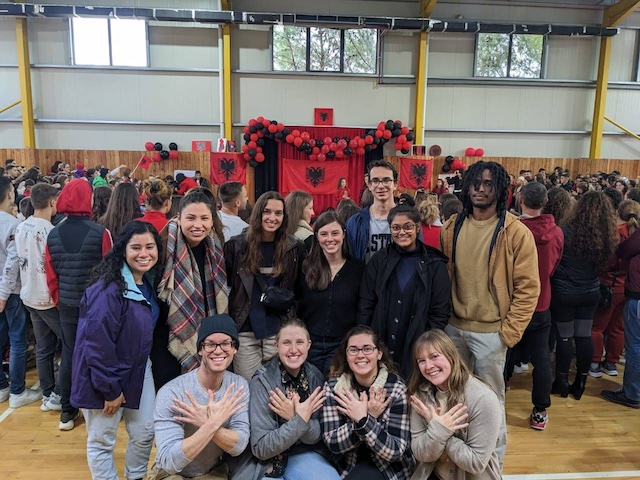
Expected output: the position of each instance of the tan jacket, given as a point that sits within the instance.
(514, 282)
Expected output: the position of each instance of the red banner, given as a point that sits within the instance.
(227, 167)
(316, 178)
(416, 173)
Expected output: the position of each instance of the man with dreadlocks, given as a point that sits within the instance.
(493, 265)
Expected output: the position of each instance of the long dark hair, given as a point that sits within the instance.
(559, 204)
(204, 195)
(123, 207)
(101, 197)
(500, 180)
(340, 364)
(253, 253)
(591, 231)
(109, 269)
(315, 267)
(295, 204)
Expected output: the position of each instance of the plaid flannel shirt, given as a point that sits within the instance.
(388, 437)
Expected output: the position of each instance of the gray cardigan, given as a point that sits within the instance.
(270, 434)
(473, 449)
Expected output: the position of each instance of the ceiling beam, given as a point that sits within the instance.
(617, 13)
(427, 7)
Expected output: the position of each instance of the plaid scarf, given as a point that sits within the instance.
(181, 288)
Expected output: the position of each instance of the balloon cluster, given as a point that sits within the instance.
(321, 149)
(451, 163)
(161, 153)
(473, 152)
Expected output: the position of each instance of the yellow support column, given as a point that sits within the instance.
(226, 76)
(24, 73)
(601, 97)
(421, 87)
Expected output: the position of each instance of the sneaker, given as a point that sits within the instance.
(52, 402)
(67, 420)
(4, 394)
(25, 398)
(517, 368)
(618, 396)
(538, 420)
(524, 367)
(595, 371)
(609, 368)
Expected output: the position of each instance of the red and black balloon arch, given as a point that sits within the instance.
(321, 149)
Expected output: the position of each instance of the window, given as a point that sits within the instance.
(504, 55)
(102, 41)
(313, 49)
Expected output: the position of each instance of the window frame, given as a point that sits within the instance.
(341, 71)
(543, 58)
(109, 39)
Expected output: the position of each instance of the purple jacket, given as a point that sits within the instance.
(112, 345)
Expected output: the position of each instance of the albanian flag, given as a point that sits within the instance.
(144, 162)
(316, 178)
(416, 173)
(227, 167)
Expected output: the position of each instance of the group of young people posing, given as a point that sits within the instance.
(342, 367)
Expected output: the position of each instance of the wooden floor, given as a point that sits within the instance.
(591, 435)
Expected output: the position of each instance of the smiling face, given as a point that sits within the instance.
(404, 232)
(196, 222)
(331, 237)
(141, 254)
(364, 366)
(293, 345)
(217, 360)
(272, 216)
(435, 367)
(343, 183)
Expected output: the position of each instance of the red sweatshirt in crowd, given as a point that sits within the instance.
(549, 243)
(186, 185)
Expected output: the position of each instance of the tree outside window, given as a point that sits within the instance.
(503, 55)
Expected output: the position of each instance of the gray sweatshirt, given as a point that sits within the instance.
(170, 433)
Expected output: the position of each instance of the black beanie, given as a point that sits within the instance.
(221, 323)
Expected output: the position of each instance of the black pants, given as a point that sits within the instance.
(535, 344)
(164, 366)
(365, 471)
(68, 329)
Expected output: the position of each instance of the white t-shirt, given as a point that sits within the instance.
(31, 243)
(232, 225)
(379, 236)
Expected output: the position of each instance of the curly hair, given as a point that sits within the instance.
(340, 364)
(500, 179)
(429, 210)
(109, 269)
(101, 197)
(591, 231)
(559, 205)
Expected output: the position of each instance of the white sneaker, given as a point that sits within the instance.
(4, 394)
(25, 398)
(517, 369)
(52, 402)
(524, 367)
(68, 420)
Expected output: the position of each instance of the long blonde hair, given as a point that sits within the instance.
(629, 211)
(439, 341)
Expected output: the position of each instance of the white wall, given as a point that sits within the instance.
(181, 90)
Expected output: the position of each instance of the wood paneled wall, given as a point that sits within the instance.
(200, 161)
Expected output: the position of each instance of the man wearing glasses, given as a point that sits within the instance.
(204, 413)
(368, 230)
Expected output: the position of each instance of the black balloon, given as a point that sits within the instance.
(259, 126)
(389, 125)
(449, 160)
(368, 148)
(265, 131)
(319, 143)
(411, 136)
(397, 125)
(404, 151)
(336, 139)
(371, 132)
(446, 167)
(305, 145)
(246, 137)
(173, 146)
(377, 140)
(278, 136)
(331, 154)
(164, 154)
(260, 142)
(252, 152)
(396, 132)
(157, 146)
(348, 151)
(253, 129)
(286, 132)
(253, 163)
(274, 122)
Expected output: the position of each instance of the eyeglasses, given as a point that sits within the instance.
(367, 350)
(210, 347)
(384, 181)
(407, 227)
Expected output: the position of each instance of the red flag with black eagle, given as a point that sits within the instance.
(316, 178)
(144, 162)
(227, 167)
(416, 173)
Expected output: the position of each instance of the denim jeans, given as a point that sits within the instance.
(101, 436)
(46, 329)
(68, 329)
(322, 352)
(308, 466)
(14, 323)
(631, 381)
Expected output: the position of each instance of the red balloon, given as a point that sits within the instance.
(156, 157)
(313, 157)
(315, 151)
(382, 125)
(325, 149)
(289, 138)
(260, 119)
(254, 137)
(312, 143)
(149, 147)
(360, 151)
(368, 139)
(259, 157)
(280, 127)
(339, 153)
(247, 157)
(297, 141)
(479, 152)
(173, 154)
(252, 144)
(305, 136)
(296, 133)
(404, 130)
(246, 130)
(322, 157)
(401, 139)
(361, 142)
(333, 146)
(258, 149)
(327, 140)
(379, 133)
(386, 134)
(266, 122)
(342, 143)
(252, 122)
(273, 128)
(406, 146)
(469, 152)
(245, 148)
(398, 146)
(353, 143)
(260, 134)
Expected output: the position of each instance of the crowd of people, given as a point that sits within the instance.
(375, 340)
